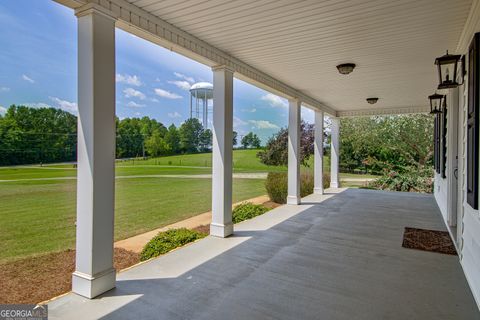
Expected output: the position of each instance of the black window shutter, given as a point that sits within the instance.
(472, 123)
(444, 140)
(435, 151)
(437, 143)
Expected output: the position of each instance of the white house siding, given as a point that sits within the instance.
(468, 219)
(440, 191)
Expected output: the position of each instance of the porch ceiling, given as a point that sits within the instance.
(299, 43)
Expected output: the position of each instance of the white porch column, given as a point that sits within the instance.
(335, 154)
(294, 152)
(94, 272)
(318, 153)
(222, 149)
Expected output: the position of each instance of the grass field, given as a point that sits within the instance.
(37, 204)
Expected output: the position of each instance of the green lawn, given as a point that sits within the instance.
(243, 160)
(38, 216)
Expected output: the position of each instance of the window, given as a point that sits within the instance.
(472, 122)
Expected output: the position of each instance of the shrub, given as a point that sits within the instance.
(168, 240)
(326, 180)
(277, 185)
(410, 179)
(247, 210)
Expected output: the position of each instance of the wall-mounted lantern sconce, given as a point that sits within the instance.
(447, 70)
(372, 100)
(436, 103)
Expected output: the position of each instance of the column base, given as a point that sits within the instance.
(92, 286)
(318, 190)
(334, 185)
(293, 200)
(221, 230)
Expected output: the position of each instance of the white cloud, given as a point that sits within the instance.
(275, 101)
(132, 104)
(137, 114)
(184, 77)
(154, 100)
(174, 115)
(263, 124)
(4, 89)
(184, 85)
(130, 92)
(65, 105)
(26, 78)
(36, 105)
(128, 79)
(252, 110)
(2, 110)
(166, 94)
(237, 122)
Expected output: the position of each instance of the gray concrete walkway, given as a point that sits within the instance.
(334, 257)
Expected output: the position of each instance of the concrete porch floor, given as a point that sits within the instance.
(337, 256)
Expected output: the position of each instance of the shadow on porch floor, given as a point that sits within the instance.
(337, 256)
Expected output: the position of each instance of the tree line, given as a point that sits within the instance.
(374, 144)
(46, 135)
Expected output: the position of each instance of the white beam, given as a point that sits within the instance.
(222, 149)
(94, 272)
(318, 153)
(294, 152)
(145, 25)
(335, 154)
(383, 111)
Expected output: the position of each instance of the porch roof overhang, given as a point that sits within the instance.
(291, 48)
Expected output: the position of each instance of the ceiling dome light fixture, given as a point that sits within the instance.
(372, 100)
(346, 68)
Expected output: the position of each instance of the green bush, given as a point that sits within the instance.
(247, 211)
(277, 185)
(169, 240)
(409, 179)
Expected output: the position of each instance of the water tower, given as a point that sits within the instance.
(200, 94)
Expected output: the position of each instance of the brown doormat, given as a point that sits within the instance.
(428, 240)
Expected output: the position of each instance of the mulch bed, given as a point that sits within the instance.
(428, 240)
(203, 229)
(36, 279)
(272, 205)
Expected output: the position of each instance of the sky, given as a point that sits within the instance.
(38, 60)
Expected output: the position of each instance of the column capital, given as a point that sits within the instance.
(93, 8)
(223, 67)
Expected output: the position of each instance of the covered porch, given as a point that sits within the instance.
(335, 256)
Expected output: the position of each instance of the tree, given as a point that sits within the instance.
(190, 133)
(35, 135)
(276, 152)
(251, 140)
(156, 144)
(130, 140)
(235, 137)
(255, 142)
(393, 142)
(172, 138)
(206, 140)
